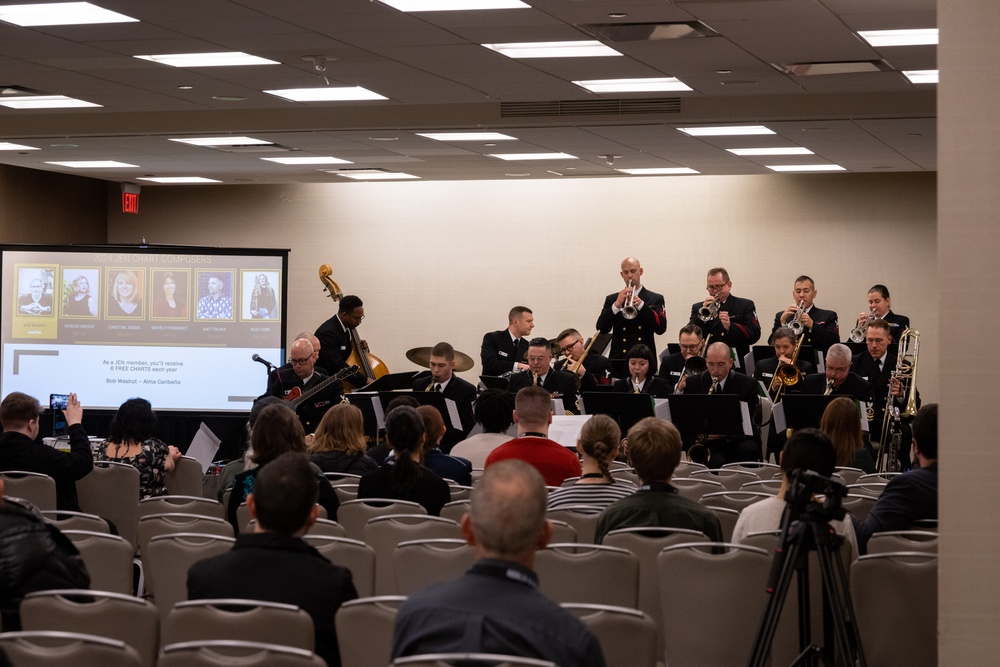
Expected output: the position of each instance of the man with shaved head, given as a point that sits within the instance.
(650, 314)
(303, 377)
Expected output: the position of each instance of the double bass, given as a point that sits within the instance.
(370, 365)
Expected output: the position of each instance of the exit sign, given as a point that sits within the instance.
(130, 202)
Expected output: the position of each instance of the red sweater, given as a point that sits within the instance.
(554, 461)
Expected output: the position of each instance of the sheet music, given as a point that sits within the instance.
(204, 446)
(778, 417)
(456, 421)
(565, 429)
(863, 411)
(379, 415)
(661, 408)
(747, 423)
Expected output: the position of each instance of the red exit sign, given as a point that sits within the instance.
(130, 202)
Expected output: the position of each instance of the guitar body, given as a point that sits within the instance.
(294, 393)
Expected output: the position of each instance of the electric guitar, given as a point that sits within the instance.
(297, 396)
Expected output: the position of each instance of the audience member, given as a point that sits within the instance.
(21, 450)
(494, 410)
(339, 444)
(380, 452)
(457, 469)
(244, 462)
(496, 607)
(598, 446)
(132, 443)
(533, 414)
(654, 450)
(842, 424)
(273, 563)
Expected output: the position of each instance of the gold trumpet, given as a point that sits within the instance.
(629, 311)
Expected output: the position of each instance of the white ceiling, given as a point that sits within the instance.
(436, 76)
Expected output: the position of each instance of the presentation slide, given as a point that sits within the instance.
(175, 325)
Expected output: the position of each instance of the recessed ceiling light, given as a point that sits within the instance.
(331, 94)
(660, 84)
(229, 98)
(371, 174)
(223, 141)
(659, 171)
(452, 5)
(95, 164)
(60, 13)
(383, 138)
(466, 136)
(175, 180)
(7, 146)
(44, 102)
(533, 156)
(791, 150)
(307, 160)
(725, 131)
(219, 59)
(579, 49)
(806, 167)
(185, 87)
(913, 37)
(833, 67)
(921, 75)
(519, 174)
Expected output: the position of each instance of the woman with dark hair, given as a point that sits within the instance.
(132, 442)
(642, 378)
(276, 430)
(494, 411)
(842, 424)
(598, 446)
(456, 469)
(262, 299)
(404, 477)
(880, 306)
(339, 443)
(79, 302)
(126, 296)
(167, 302)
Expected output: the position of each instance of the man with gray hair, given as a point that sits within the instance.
(496, 607)
(838, 380)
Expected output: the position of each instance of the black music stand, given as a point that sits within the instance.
(804, 410)
(363, 401)
(437, 399)
(619, 368)
(494, 382)
(626, 409)
(393, 381)
(697, 415)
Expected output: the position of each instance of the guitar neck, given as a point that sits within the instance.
(336, 377)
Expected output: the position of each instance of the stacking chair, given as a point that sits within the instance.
(562, 532)
(895, 601)
(111, 491)
(731, 478)
(112, 615)
(108, 558)
(164, 524)
(346, 492)
(583, 518)
(228, 652)
(734, 500)
(354, 514)
(182, 505)
(625, 474)
(186, 477)
(712, 602)
(685, 468)
(36, 488)
(455, 509)
(65, 520)
(243, 620)
(468, 660)
(727, 520)
(168, 558)
(47, 648)
(459, 492)
(420, 563)
(695, 487)
(869, 488)
(891, 541)
(355, 555)
(338, 478)
(859, 504)
(365, 628)
(850, 475)
(589, 573)
(384, 532)
(877, 477)
(628, 637)
(771, 486)
(322, 527)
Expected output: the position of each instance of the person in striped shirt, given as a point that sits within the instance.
(598, 446)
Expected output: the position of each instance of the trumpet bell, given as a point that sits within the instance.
(796, 327)
(708, 313)
(630, 312)
(857, 335)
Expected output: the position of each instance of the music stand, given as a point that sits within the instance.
(697, 415)
(363, 400)
(393, 381)
(438, 400)
(619, 368)
(494, 382)
(803, 410)
(626, 409)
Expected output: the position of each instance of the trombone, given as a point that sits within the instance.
(906, 373)
(629, 311)
(786, 375)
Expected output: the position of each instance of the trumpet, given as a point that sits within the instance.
(629, 311)
(906, 373)
(858, 333)
(709, 312)
(796, 322)
(787, 375)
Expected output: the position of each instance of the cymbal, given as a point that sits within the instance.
(421, 356)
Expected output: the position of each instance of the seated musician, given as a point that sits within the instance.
(819, 326)
(592, 370)
(335, 336)
(303, 378)
(443, 380)
(784, 340)
(838, 379)
(642, 377)
(692, 342)
(539, 374)
(287, 368)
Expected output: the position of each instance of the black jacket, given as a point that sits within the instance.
(19, 452)
(649, 322)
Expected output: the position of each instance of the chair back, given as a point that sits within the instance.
(338, 478)
(695, 487)
(850, 475)
(152, 525)
(365, 630)
(111, 491)
(123, 617)
(625, 474)
(419, 563)
(65, 520)
(229, 652)
(384, 532)
(36, 488)
(731, 478)
(685, 468)
(47, 648)
(182, 505)
(895, 596)
(702, 591)
(459, 492)
(628, 637)
(771, 486)
(346, 492)
(455, 509)
(727, 520)
(859, 504)
(469, 660)
(762, 469)
(734, 500)
(580, 573)
(186, 477)
(354, 555)
(168, 558)
(108, 558)
(871, 488)
(354, 514)
(562, 532)
(891, 541)
(583, 518)
(244, 620)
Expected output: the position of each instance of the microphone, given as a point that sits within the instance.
(261, 360)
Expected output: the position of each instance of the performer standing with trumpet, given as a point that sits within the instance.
(727, 318)
(879, 308)
(634, 315)
(819, 326)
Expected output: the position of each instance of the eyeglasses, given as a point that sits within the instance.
(715, 288)
(691, 347)
(838, 370)
(569, 347)
(299, 362)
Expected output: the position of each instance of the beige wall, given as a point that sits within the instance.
(446, 261)
(42, 207)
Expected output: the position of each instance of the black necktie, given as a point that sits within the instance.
(437, 387)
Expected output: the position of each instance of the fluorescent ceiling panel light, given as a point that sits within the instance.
(822, 69)
(725, 131)
(174, 180)
(452, 5)
(581, 49)
(921, 75)
(331, 94)
(223, 141)
(60, 13)
(533, 156)
(791, 150)
(659, 171)
(7, 146)
(806, 167)
(220, 59)
(44, 102)
(373, 175)
(466, 136)
(95, 164)
(662, 84)
(307, 160)
(915, 37)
